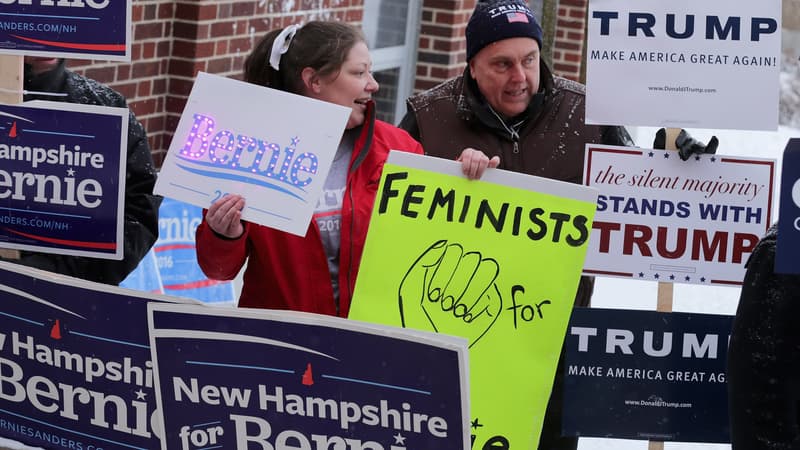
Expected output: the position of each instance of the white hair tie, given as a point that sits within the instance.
(281, 45)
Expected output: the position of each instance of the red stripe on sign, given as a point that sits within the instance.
(82, 244)
(192, 285)
(76, 45)
(164, 248)
(605, 272)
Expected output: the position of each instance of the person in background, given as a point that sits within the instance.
(764, 356)
(508, 104)
(327, 61)
(49, 79)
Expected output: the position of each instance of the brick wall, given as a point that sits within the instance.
(174, 39)
(442, 46)
(568, 45)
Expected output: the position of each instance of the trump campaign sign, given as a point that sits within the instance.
(240, 138)
(244, 378)
(90, 29)
(683, 63)
(662, 219)
(62, 178)
(647, 375)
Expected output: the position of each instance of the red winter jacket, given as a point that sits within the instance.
(285, 271)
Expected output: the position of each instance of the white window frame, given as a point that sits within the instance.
(402, 57)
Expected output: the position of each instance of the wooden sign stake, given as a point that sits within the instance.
(664, 301)
(10, 79)
(11, 85)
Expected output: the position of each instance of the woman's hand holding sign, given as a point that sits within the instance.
(224, 216)
(451, 291)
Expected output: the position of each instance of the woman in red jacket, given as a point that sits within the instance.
(327, 61)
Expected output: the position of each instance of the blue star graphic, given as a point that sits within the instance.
(650, 154)
(295, 141)
(672, 277)
(656, 276)
(666, 155)
(641, 274)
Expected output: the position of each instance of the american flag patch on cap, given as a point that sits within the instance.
(517, 17)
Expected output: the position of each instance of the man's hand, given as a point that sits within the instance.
(224, 216)
(475, 162)
(451, 292)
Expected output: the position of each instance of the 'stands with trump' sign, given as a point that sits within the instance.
(663, 219)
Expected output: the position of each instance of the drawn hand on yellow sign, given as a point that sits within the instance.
(451, 292)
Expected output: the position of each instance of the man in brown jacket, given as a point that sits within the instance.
(507, 103)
